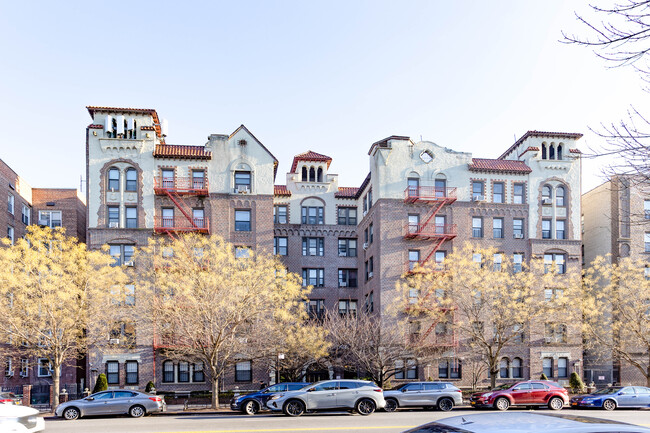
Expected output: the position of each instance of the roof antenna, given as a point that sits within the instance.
(420, 137)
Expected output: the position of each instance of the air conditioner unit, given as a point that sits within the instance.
(114, 225)
(114, 341)
(243, 189)
(129, 263)
(547, 201)
(9, 373)
(365, 212)
(342, 254)
(365, 245)
(369, 274)
(42, 222)
(478, 198)
(519, 235)
(343, 284)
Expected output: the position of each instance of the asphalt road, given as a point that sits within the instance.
(380, 422)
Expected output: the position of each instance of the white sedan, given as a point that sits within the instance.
(20, 419)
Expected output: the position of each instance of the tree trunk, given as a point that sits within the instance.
(493, 377)
(215, 393)
(647, 373)
(56, 379)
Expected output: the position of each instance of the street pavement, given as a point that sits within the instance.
(229, 422)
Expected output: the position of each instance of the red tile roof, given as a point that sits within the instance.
(574, 135)
(530, 149)
(147, 128)
(281, 190)
(346, 192)
(309, 156)
(575, 151)
(181, 152)
(499, 165)
(95, 126)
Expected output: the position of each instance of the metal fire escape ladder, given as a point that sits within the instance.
(177, 200)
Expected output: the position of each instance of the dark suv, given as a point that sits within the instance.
(527, 393)
(251, 403)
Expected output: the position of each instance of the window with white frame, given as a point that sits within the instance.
(113, 179)
(131, 217)
(313, 246)
(518, 193)
(647, 242)
(559, 196)
(646, 209)
(113, 372)
(518, 227)
(517, 371)
(44, 367)
(280, 245)
(560, 232)
(546, 229)
(131, 180)
(280, 214)
(556, 261)
(197, 372)
(497, 192)
(348, 306)
(547, 367)
(313, 277)
(122, 254)
(168, 372)
(131, 368)
(477, 190)
(183, 371)
(10, 234)
(26, 217)
(50, 218)
(517, 262)
(563, 367)
(243, 372)
(10, 203)
(477, 227)
(24, 367)
(497, 228)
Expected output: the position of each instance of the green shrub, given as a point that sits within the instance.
(576, 383)
(150, 387)
(101, 384)
(543, 377)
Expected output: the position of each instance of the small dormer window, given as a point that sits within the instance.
(559, 151)
(543, 150)
(304, 174)
(319, 177)
(426, 156)
(312, 174)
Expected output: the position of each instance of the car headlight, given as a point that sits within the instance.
(276, 396)
(486, 395)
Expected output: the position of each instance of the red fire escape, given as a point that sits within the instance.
(177, 189)
(438, 334)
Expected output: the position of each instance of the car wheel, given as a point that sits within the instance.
(391, 405)
(365, 406)
(250, 407)
(502, 403)
(445, 404)
(137, 411)
(609, 404)
(71, 413)
(555, 403)
(294, 408)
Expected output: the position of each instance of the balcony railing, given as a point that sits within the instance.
(429, 230)
(181, 185)
(181, 224)
(429, 193)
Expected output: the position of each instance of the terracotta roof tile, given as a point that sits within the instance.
(309, 156)
(281, 190)
(182, 152)
(530, 149)
(95, 126)
(147, 128)
(499, 165)
(574, 135)
(575, 151)
(346, 192)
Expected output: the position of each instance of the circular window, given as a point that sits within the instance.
(426, 156)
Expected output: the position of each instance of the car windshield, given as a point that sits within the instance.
(609, 390)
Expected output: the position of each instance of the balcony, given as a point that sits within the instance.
(429, 231)
(414, 194)
(181, 224)
(180, 185)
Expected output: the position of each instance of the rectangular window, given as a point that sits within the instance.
(197, 373)
(313, 246)
(242, 181)
(646, 209)
(24, 367)
(10, 234)
(414, 259)
(167, 217)
(168, 372)
(477, 191)
(167, 178)
(198, 179)
(131, 217)
(497, 192)
(347, 278)
(243, 372)
(440, 224)
(312, 215)
(369, 268)
(316, 308)
(365, 204)
(348, 306)
(518, 228)
(547, 365)
(183, 371)
(26, 215)
(369, 199)
(51, 218)
(131, 180)
(411, 369)
(131, 372)
(313, 277)
(113, 216)
(129, 299)
(280, 246)
(347, 247)
(347, 216)
(198, 217)
(371, 235)
(497, 228)
(518, 193)
(123, 254)
(559, 229)
(280, 214)
(439, 259)
(497, 260)
(455, 371)
(563, 367)
(113, 179)
(647, 242)
(443, 369)
(10, 203)
(414, 223)
(546, 229)
(477, 227)
(242, 220)
(113, 372)
(517, 262)
(399, 369)
(557, 260)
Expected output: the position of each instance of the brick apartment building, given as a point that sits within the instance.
(351, 243)
(53, 207)
(616, 221)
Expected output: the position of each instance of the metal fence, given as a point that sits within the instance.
(18, 390)
(40, 395)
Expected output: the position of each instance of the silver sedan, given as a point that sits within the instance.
(114, 402)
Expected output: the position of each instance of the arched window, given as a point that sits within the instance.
(543, 150)
(516, 368)
(168, 372)
(546, 195)
(559, 196)
(551, 151)
(113, 179)
(504, 368)
(131, 180)
(312, 175)
(441, 185)
(304, 174)
(559, 151)
(320, 174)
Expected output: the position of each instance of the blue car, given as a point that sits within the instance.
(251, 403)
(614, 396)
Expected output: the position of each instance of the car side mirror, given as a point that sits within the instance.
(404, 390)
(90, 398)
(311, 389)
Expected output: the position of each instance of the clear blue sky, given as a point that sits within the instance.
(330, 76)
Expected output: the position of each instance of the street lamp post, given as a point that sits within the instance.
(277, 369)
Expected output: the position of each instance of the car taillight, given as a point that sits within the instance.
(6, 400)
(377, 390)
(458, 390)
(155, 398)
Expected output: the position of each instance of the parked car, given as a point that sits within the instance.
(252, 403)
(526, 393)
(20, 419)
(359, 395)
(525, 422)
(9, 398)
(615, 396)
(442, 395)
(113, 402)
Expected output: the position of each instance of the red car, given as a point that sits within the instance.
(527, 393)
